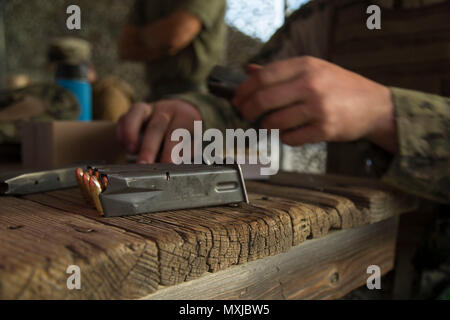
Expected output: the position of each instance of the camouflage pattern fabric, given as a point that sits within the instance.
(422, 166)
(40, 102)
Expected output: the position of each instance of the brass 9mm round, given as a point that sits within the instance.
(95, 190)
(79, 173)
(91, 186)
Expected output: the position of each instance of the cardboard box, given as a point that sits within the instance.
(62, 143)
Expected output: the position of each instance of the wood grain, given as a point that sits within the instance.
(130, 257)
(377, 200)
(325, 268)
(340, 212)
(39, 243)
(192, 242)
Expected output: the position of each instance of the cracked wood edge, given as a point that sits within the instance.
(324, 268)
(192, 242)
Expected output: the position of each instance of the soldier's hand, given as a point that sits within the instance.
(311, 100)
(146, 128)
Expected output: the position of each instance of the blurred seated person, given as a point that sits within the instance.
(179, 41)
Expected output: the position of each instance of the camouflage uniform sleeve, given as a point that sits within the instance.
(216, 112)
(422, 166)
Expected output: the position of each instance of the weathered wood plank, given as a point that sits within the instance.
(325, 268)
(39, 243)
(339, 211)
(173, 246)
(379, 200)
(192, 242)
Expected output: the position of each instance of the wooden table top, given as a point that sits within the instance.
(157, 255)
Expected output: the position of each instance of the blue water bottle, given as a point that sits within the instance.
(75, 79)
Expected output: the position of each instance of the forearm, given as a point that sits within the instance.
(132, 48)
(163, 37)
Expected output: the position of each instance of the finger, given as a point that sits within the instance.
(154, 135)
(131, 124)
(177, 122)
(252, 67)
(308, 134)
(273, 73)
(166, 154)
(289, 118)
(273, 97)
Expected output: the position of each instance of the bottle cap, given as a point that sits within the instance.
(70, 71)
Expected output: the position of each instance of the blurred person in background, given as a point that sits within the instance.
(178, 40)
